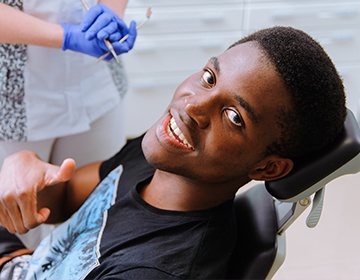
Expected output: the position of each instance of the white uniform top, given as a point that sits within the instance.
(63, 92)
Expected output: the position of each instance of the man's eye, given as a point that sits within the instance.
(208, 78)
(234, 117)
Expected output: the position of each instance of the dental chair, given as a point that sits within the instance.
(267, 210)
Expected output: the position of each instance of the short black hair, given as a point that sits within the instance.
(317, 91)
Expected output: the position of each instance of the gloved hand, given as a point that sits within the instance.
(75, 40)
(99, 23)
(103, 23)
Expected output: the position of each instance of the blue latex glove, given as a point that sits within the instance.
(75, 40)
(128, 44)
(103, 23)
(99, 23)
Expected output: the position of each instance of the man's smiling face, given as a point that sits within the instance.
(220, 120)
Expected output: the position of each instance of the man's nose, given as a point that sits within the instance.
(200, 110)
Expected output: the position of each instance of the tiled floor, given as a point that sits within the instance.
(331, 250)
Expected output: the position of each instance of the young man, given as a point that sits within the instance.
(157, 209)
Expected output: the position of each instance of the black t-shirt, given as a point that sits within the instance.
(117, 235)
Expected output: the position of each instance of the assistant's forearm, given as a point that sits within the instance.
(16, 27)
(118, 6)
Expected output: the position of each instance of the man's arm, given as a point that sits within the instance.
(73, 193)
(33, 192)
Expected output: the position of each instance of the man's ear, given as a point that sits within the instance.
(271, 168)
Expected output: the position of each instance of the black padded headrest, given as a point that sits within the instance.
(256, 246)
(309, 172)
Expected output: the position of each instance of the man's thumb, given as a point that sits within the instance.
(62, 173)
(66, 170)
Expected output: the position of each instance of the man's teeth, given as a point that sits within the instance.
(175, 132)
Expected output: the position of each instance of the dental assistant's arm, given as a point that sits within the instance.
(33, 191)
(118, 6)
(17, 27)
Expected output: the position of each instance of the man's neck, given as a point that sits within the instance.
(172, 192)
